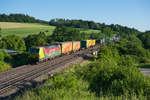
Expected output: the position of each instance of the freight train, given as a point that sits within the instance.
(43, 53)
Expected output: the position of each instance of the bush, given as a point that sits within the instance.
(4, 66)
(120, 80)
(18, 59)
(13, 42)
(1, 56)
(88, 72)
(66, 80)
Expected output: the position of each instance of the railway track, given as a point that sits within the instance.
(14, 79)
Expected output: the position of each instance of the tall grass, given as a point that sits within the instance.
(4, 66)
(73, 85)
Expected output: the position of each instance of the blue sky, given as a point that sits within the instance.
(131, 13)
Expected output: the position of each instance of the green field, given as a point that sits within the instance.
(89, 31)
(25, 29)
(23, 32)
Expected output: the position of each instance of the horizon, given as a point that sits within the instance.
(133, 14)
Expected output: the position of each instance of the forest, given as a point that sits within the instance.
(20, 18)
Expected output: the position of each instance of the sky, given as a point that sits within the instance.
(131, 13)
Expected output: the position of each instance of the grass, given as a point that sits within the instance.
(4, 66)
(23, 32)
(69, 86)
(10, 25)
(89, 31)
(25, 29)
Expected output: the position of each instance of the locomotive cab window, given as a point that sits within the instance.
(34, 50)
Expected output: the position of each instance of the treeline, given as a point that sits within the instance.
(20, 18)
(117, 29)
(93, 25)
(60, 34)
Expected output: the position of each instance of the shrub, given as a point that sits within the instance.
(66, 80)
(1, 56)
(4, 66)
(127, 60)
(89, 71)
(13, 42)
(120, 80)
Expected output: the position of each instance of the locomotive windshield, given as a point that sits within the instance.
(34, 50)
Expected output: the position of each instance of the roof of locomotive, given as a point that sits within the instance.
(53, 44)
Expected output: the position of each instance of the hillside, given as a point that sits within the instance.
(25, 29)
(8, 25)
(24, 18)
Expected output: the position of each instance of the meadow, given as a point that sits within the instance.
(25, 29)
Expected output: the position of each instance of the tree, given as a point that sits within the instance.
(0, 30)
(35, 40)
(0, 33)
(13, 42)
(96, 35)
(20, 18)
(145, 38)
(108, 31)
(62, 34)
(1, 56)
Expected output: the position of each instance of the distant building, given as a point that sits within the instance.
(9, 51)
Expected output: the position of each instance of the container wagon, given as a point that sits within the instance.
(66, 47)
(76, 46)
(103, 40)
(93, 43)
(86, 43)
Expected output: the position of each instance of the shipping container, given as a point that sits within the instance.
(101, 41)
(98, 41)
(89, 43)
(86, 43)
(83, 44)
(104, 40)
(93, 42)
(76, 45)
(111, 39)
(66, 47)
(45, 52)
